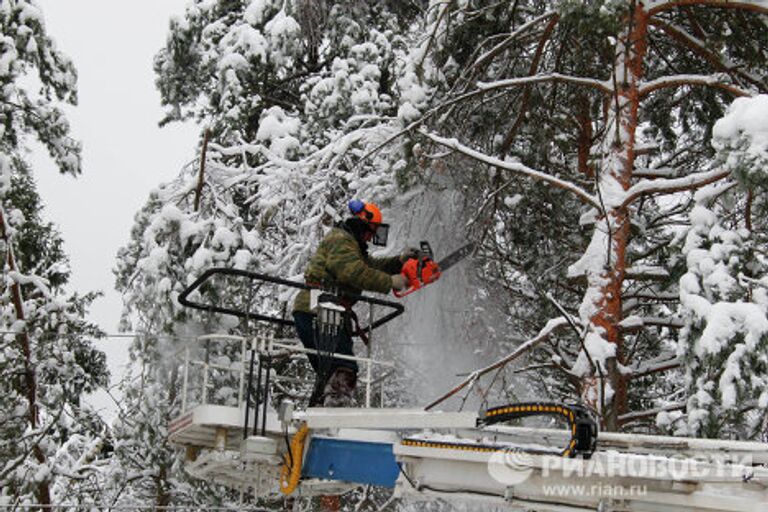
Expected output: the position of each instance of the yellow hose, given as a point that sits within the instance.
(291, 473)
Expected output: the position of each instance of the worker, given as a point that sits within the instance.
(342, 265)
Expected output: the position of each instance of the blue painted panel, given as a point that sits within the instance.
(360, 462)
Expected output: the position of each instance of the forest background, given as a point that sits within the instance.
(608, 157)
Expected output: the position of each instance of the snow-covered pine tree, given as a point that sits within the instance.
(227, 62)
(288, 91)
(50, 442)
(171, 243)
(724, 292)
(592, 127)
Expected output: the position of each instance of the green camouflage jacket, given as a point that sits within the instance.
(340, 264)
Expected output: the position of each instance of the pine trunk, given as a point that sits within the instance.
(30, 380)
(603, 302)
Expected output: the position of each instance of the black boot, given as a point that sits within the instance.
(340, 389)
(318, 391)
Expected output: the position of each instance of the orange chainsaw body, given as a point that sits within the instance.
(419, 271)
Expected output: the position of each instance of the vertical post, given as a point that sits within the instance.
(266, 395)
(381, 394)
(249, 392)
(205, 383)
(186, 380)
(220, 442)
(368, 375)
(241, 379)
(249, 388)
(206, 369)
(258, 398)
(370, 331)
(368, 367)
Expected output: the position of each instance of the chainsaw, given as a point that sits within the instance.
(422, 269)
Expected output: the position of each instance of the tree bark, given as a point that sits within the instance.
(30, 380)
(584, 140)
(201, 174)
(603, 298)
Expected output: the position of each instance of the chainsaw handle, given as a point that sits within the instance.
(408, 291)
(410, 272)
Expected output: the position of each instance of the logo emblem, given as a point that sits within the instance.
(510, 467)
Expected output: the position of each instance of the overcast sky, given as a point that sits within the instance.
(112, 44)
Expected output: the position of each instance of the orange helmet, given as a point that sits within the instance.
(371, 214)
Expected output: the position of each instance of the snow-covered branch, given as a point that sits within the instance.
(650, 413)
(744, 281)
(38, 282)
(716, 80)
(646, 272)
(655, 7)
(636, 323)
(522, 29)
(656, 365)
(601, 85)
(644, 295)
(698, 47)
(543, 335)
(668, 186)
(658, 321)
(515, 167)
(655, 173)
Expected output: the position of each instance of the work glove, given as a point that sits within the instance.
(409, 253)
(399, 282)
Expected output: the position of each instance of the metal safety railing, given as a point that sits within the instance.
(252, 356)
(197, 354)
(257, 353)
(248, 315)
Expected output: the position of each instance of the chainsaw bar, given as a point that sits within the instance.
(418, 280)
(456, 256)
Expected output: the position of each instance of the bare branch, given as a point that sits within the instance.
(643, 295)
(441, 14)
(522, 29)
(749, 5)
(600, 85)
(669, 186)
(543, 335)
(513, 167)
(697, 47)
(527, 89)
(714, 80)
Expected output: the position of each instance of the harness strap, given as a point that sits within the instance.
(356, 330)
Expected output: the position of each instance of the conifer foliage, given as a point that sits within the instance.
(289, 93)
(613, 107)
(50, 441)
(609, 159)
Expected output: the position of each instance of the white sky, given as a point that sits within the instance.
(112, 44)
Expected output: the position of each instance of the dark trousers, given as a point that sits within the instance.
(323, 344)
